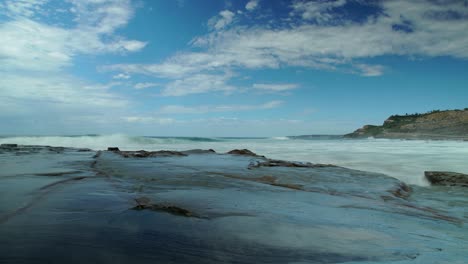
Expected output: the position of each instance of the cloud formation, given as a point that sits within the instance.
(252, 5)
(318, 36)
(201, 109)
(316, 10)
(37, 51)
(224, 18)
(121, 76)
(275, 87)
(145, 85)
(198, 83)
(28, 43)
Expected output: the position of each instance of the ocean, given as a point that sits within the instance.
(405, 160)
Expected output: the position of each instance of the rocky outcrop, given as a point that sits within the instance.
(113, 149)
(447, 178)
(144, 203)
(450, 124)
(283, 163)
(147, 154)
(199, 151)
(243, 152)
(159, 153)
(8, 145)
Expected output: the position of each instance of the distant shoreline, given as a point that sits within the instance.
(434, 125)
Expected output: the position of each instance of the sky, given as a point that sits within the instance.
(226, 67)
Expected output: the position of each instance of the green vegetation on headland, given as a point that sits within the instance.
(436, 124)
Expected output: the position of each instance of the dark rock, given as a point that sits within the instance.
(99, 153)
(57, 174)
(173, 210)
(84, 150)
(56, 149)
(402, 191)
(199, 151)
(266, 179)
(244, 152)
(113, 149)
(8, 145)
(144, 203)
(446, 178)
(146, 154)
(282, 163)
(297, 187)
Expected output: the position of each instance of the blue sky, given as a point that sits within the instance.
(226, 68)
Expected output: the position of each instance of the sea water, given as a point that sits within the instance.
(403, 159)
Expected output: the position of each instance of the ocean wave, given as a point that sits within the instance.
(98, 142)
(280, 138)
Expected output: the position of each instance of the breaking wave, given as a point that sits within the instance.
(99, 142)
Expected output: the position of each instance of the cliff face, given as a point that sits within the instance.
(450, 124)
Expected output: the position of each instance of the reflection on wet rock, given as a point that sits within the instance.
(199, 206)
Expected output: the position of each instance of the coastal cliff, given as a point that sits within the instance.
(449, 124)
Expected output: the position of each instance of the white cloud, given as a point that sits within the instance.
(145, 85)
(33, 104)
(27, 43)
(180, 109)
(317, 10)
(403, 28)
(121, 76)
(251, 5)
(59, 91)
(275, 87)
(102, 87)
(129, 45)
(198, 83)
(25, 8)
(370, 70)
(272, 104)
(224, 18)
(102, 16)
(175, 67)
(191, 73)
(184, 64)
(149, 120)
(35, 53)
(331, 46)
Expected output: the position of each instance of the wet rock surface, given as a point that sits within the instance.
(446, 178)
(202, 207)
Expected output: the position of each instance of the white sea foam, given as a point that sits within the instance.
(280, 138)
(404, 159)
